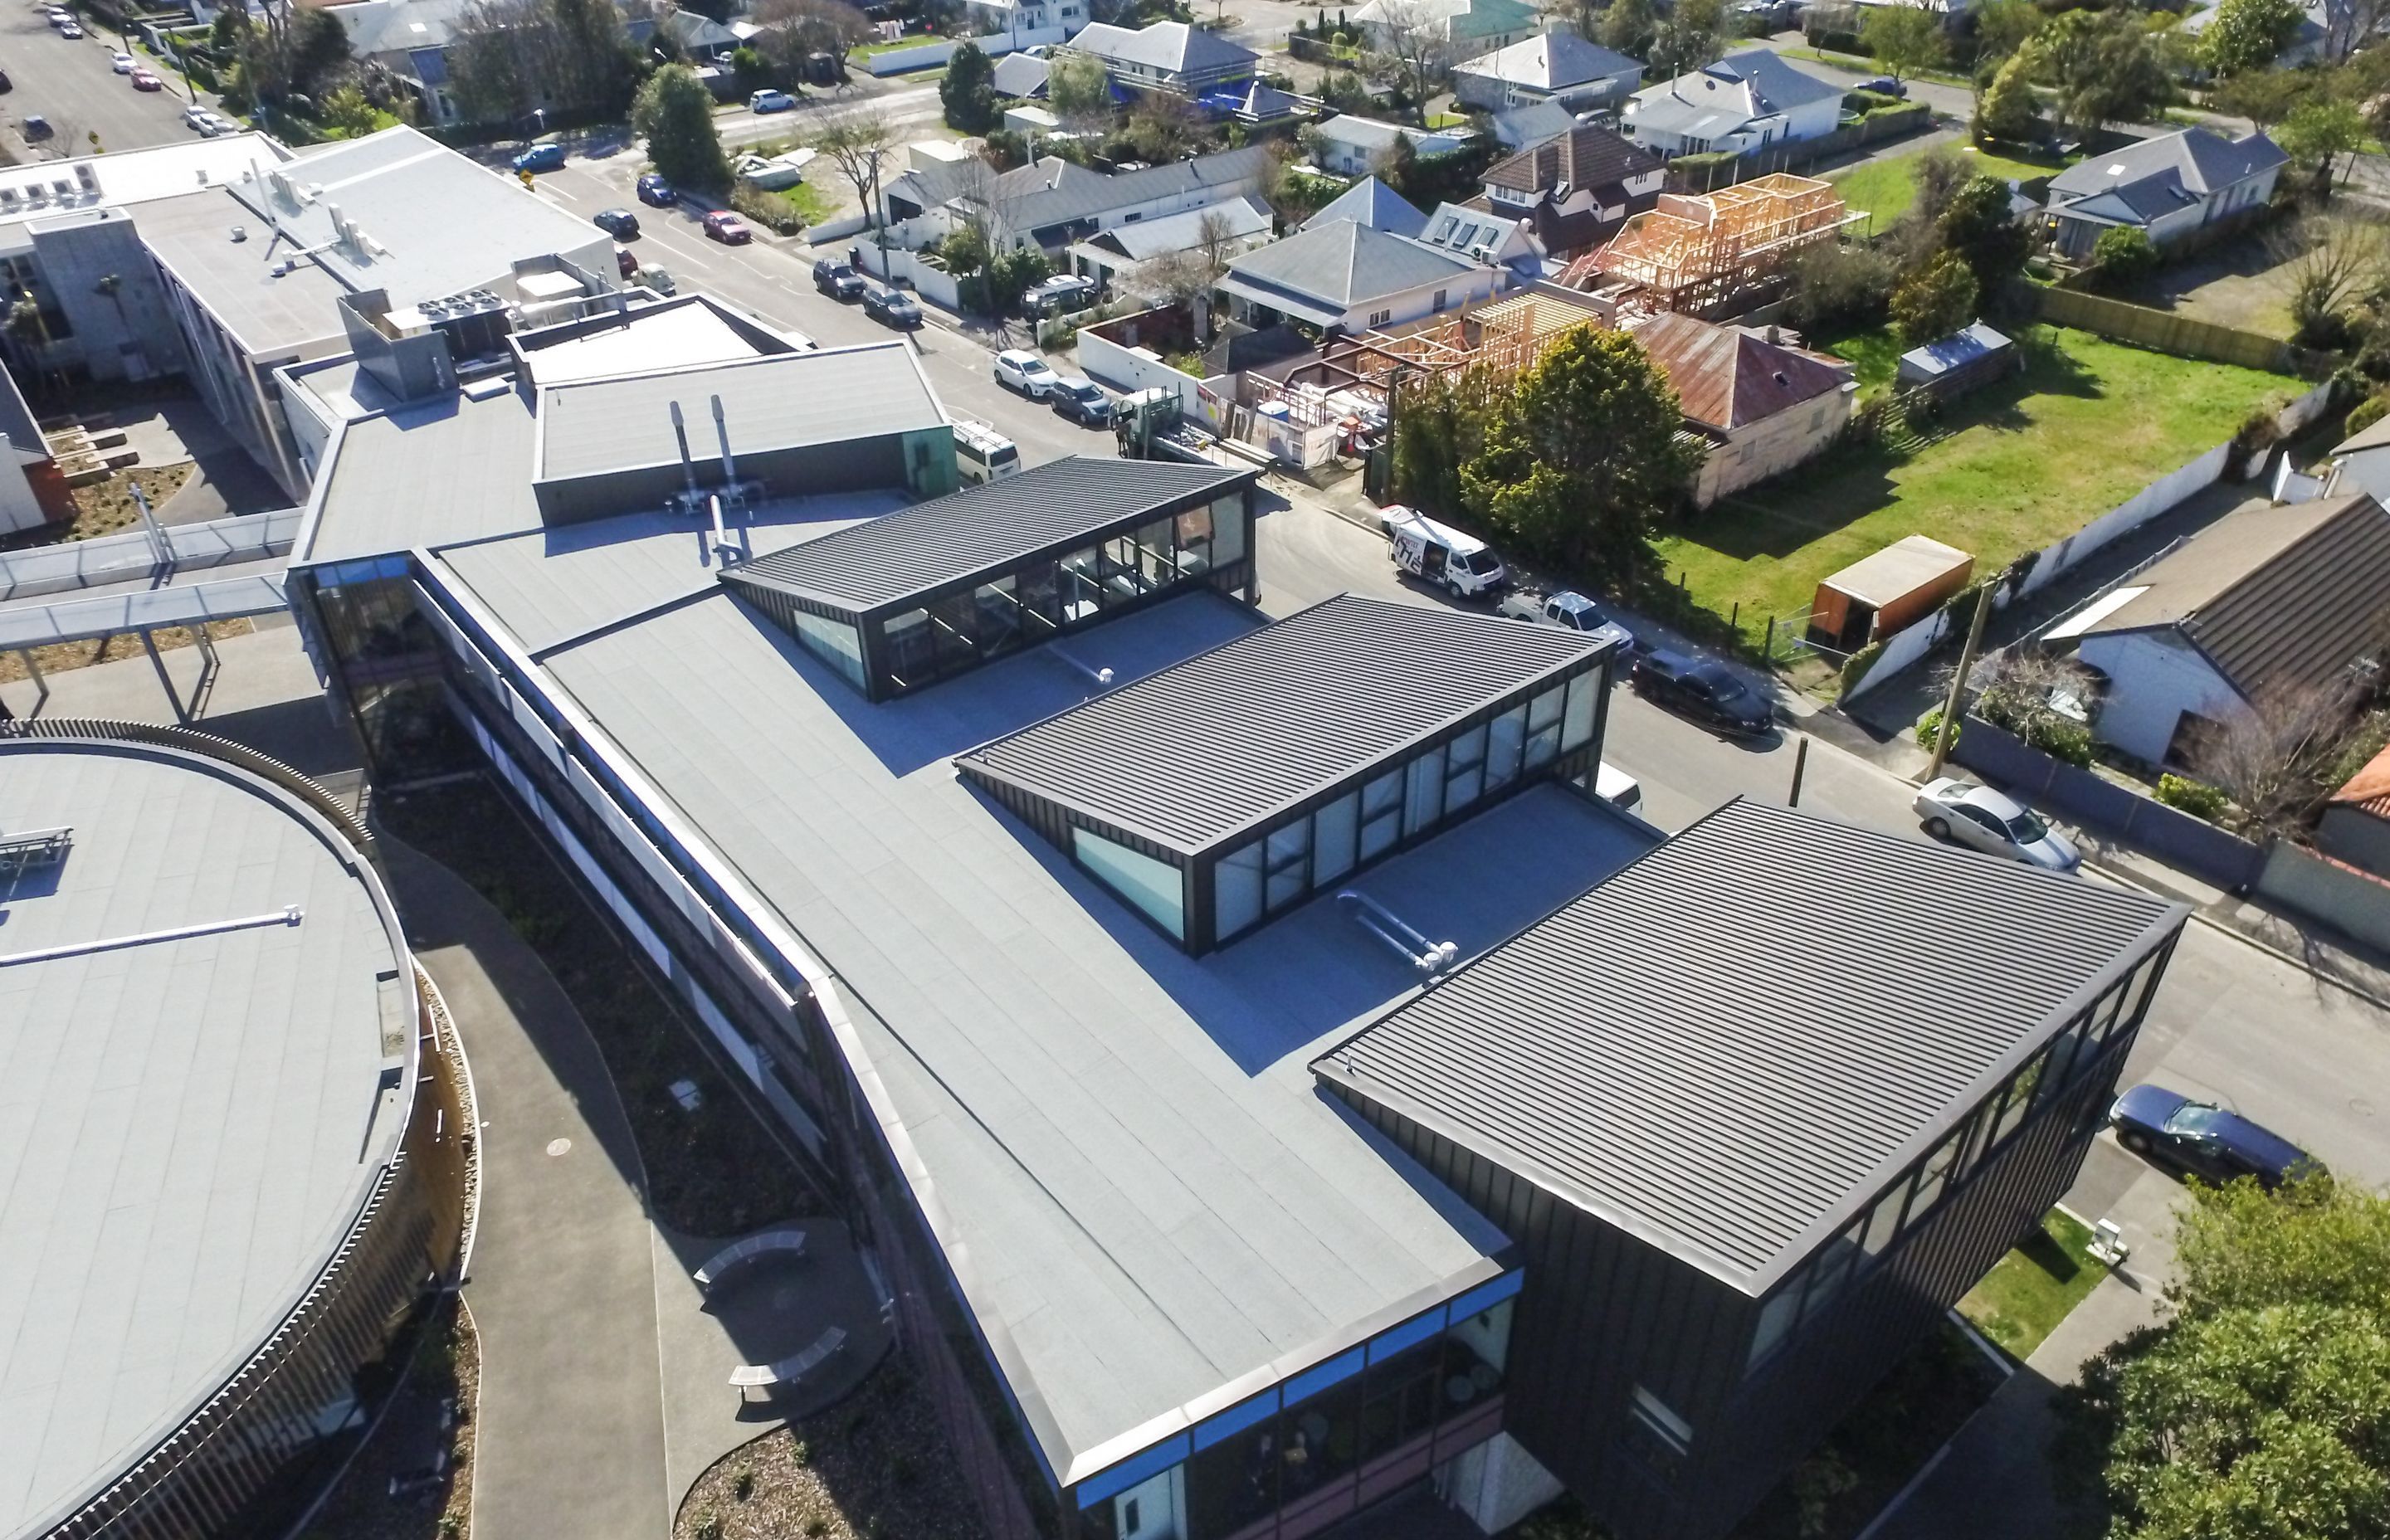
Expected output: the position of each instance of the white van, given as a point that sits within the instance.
(984, 455)
(1437, 553)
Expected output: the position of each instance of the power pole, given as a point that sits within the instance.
(1948, 727)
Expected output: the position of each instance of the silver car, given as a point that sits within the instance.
(1983, 819)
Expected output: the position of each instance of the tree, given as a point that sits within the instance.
(2329, 263)
(674, 115)
(2105, 68)
(1079, 91)
(791, 31)
(1833, 283)
(859, 144)
(315, 50)
(1934, 301)
(2348, 23)
(485, 76)
(1439, 426)
(1629, 27)
(344, 110)
(2261, 1409)
(2007, 110)
(2248, 35)
(2125, 255)
(2004, 27)
(1978, 225)
(967, 93)
(2263, 97)
(1412, 43)
(1584, 456)
(594, 52)
(1902, 39)
(1164, 127)
(2271, 758)
(1695, 33)
(1181, 277)
(2320, 131)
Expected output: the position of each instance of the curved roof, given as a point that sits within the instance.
(206, 1060)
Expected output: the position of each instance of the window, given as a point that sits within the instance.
(1333, 828)
(1287, 863)
(1543, 727)
(1195, 542)
(834, 643)
(1382, 813)
(1082, 589)
(1883, 1220)
(1506, 739)
(1229, 529)
(1464, 776)
(1441, 299)
(1380, 317)
(1406, 1378)
(1424, 804)
(1655, 1435)
(1576, 717)
(1321, 1426)
(1935, 1174)
(1155, 888)
(1776, 1319)
(1154, 554)
(1236, 891)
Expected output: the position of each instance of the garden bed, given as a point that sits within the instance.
(432, 1410)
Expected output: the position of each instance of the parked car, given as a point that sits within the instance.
(540, 158)
(837, 277)
(6, 84)
(1571, 611)
(70, 28)
(727, 228)
(147, 80)
(121, 61)
(892, 307)
(984, 455)
(771, 101)
(626, 261)
(1706, 690)
(2208, 1141)
(1055, 296)
(656, 192)
(1083, 401)
(622, 224)
(1019, 369)
(1883, 85)
(1984, 819)
(35, 127)
(661, 280)
(207, 122)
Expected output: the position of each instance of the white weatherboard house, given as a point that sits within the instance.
(2267, 599)
(1346, 276)
(2165, 188)
(1355, 146)
(1744, 102)
(1027, 23)
(1558, 67)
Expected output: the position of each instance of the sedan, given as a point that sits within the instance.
(147, 80)
(622, 224)
(1706, 690)
(207, 122)
(892, 307)
(1082, 401)
(727, 228)
(1019, 369)
(656, 192)
(540, 158)
(1984, 819)
(2204, 1139)
(771, 101)
(70, 29)
(121, 61)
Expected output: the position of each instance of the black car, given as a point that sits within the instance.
(1705, 690)
(656, 192)
(2204, 1139)
(892, 307)
(622, 224)
(1083, 401)
(839, 279)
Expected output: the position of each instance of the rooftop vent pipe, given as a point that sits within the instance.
(1428, 957)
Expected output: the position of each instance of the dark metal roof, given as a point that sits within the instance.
(1731, 1044)
(982, 529)
(1192, 754)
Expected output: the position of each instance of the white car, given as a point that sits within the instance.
(1983, 819)
(121, 61)
(207, 122)
(1019, 369)
(70, 29)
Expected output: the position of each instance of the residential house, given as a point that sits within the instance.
(1166, 56)
(2362, 462)
(699, 36)
(2356, 824)
(1020, 77)
(1493, 238)
(1575, 191)
(2309, 39)
(1028, 23)
(1761, 407)
(1345, 277)
(1557, 66)
(1449, 30)
(2165, 188)
(1355, 146)
(408, 41)
(1053, 203)
(2267, 599)
(1371, 202)
(1745, 101)
(1226, 229)
(1525, 127)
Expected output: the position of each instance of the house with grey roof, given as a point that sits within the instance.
(1166, 56)
(1481, 235)
(2266, 599)
(1224, 230)
(1744, 102)
(1371, 202)
(1052, 202)
(1020, 77)
(1577, 188)
(1345, 277)
(1029, 23)
(1525, 127)
(1557, 66)
(1351, 146)
(1448, 29)
(2165, 188)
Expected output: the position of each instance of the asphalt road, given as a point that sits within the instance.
(71, 85)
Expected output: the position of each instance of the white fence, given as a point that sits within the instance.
(1107, 363)
(929, 56)
(934, 284)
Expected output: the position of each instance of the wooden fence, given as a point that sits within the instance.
(2168, 332)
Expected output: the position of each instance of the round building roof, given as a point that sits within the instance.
(207, 1029)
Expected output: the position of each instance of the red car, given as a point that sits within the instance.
(727, 228)
(142, 80)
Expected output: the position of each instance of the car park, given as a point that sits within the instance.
(1019, 369)
(892, 307)
(727, 228)
(622, 224)
(1983, 819)
(1706, 690)
(147, 80)
(771, 101)
(540, 158)
(1568, 610)
(1082, 401)
(121, 61)
(837, 277)
(2205, 1140)
(656, 192)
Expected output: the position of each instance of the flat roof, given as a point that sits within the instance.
(1008, 1012)
(130, 176)
(776, 400)
(678, 334)
(1191, 755)
(1911, 563)
(429, 473)
(269, 314)
(194, 1118)
(986, 527)
(1728, 1045)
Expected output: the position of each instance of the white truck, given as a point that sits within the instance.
(1442, 555)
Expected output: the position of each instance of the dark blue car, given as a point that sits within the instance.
(541, 157)
(1706, 690)
(656, 192)
(2204, 1139)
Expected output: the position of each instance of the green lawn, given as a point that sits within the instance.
(917, 39)
(1886, 187)
(2087, 423)
(2022, 1300)
(1868, 66)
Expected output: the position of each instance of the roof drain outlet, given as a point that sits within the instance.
(1430, 957)
(1102, 677)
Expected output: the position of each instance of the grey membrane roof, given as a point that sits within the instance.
(1550, 61)
(1720, 98)
(981, 529)
(776, 400)
(187, 1127)
(1728, 1045)
(1193, 754)
(425, 474)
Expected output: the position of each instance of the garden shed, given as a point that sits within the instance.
(1887, 592)
(1954, 365)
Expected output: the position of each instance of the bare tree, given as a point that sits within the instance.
(1182, 277)
(2329, 263)
(1411, 44)
(2020, 688)
(790, 32)
(2274, 760)
(2347, 23)
(859, 144)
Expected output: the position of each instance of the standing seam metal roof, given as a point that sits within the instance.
(1747, 1032)
(1196, 753)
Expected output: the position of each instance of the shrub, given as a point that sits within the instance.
(768, 209)
(2196, 798)
(2125, 255)
(742, 1482)
(1854, 667)
(2367, 413)
(708, 1525)
(2069, 742)
(1929, 727)
(802, 1453)
(2254, 439)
